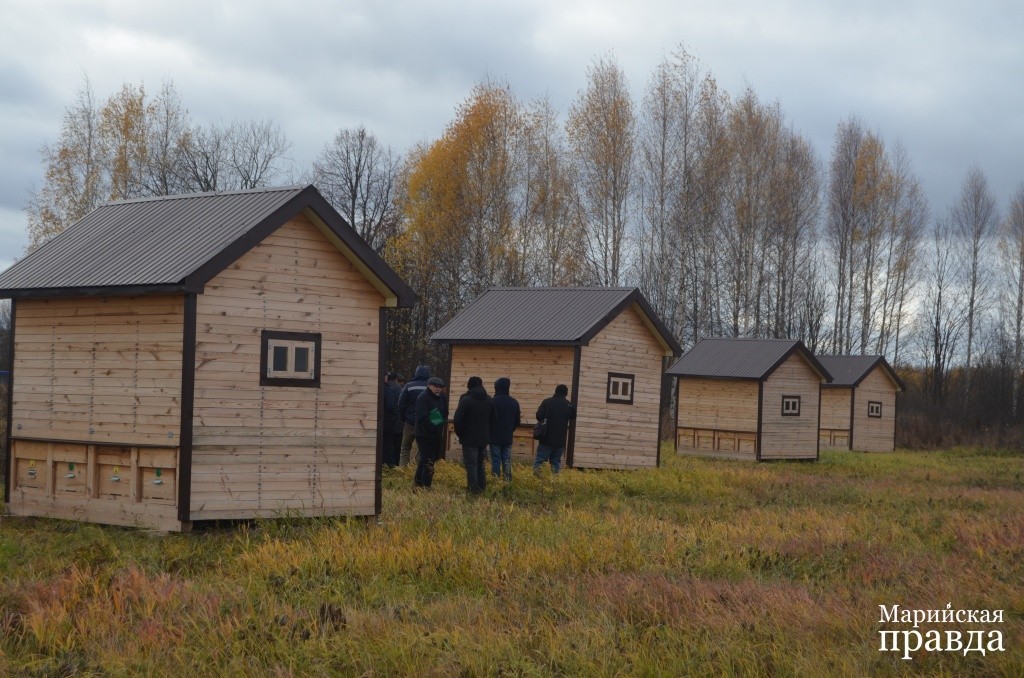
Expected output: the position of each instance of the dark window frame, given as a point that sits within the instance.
(798, 405)
(620, 378)
(879, 404)
(314, 338)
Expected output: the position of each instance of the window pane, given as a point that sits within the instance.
(280, 359)
(301, 359)
(625, 389)
(615, 388)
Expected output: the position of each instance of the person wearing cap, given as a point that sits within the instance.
(392, 424)
(473, 421)
(407, 411)
(558, 412)
(431, 413)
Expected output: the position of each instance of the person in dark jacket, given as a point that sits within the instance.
(392, 425)
(473, 420)
(507, 417)
(558, 412)
(431, 413)
(407, 410)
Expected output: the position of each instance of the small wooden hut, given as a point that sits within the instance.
(858, 408)
(605, 343)
(198, 357)
(752, 399)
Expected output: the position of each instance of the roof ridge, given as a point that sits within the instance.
(206, 194)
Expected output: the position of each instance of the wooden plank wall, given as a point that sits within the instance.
(835, 418)
(272, 450)
(870, 434)
(99, 369)
(535, 371)
(790, 437)
(717, 418)
(97, 380)
(617, 435)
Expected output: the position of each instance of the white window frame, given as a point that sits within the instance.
(292, 343)
(791, 406)
(875, 409)
(621, 388)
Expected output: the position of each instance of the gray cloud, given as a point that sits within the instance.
(941, 77)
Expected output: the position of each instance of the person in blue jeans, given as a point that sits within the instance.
(558, 412)
(507, 419)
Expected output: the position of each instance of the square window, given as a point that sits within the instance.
(620, 388)
(290, 358)
(875, 409)
(790, 406)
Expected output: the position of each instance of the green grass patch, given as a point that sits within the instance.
(701, 567)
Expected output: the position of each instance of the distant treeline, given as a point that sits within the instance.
(711, 202)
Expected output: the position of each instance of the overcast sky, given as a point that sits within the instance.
(942, 77)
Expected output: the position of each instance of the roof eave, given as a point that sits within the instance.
(94, 291)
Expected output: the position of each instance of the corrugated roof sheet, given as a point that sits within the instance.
(179, 240)
(722, 358)
(156, 241)
(568, 315)
(849, 370)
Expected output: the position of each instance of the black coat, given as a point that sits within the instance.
(424, 405)
(413, 388)
(474, 417)
(558, 412)
(392, 394)
(507, 415)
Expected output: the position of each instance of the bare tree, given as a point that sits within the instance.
(943, 315)
(256, 152)
(601, 131)
(974, 218)
(359, 176)
(1011, 246)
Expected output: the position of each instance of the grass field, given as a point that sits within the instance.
(700, 567)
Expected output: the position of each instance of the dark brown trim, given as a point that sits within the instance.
(8, 451)
(675, 430)
(760, 412)
(637, 297)
(121, 291)
(895, 416)
(574, 394)
(506, 342)
(853, 417)
(664, 389)
(807, 355)
(608, 388)
(315, 337)
(382, 327)
(308, 198)
(188, 389)
(875, 402)
(817, 432)
(711, 377)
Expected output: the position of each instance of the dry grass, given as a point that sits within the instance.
(698, 568)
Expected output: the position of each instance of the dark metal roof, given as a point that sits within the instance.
(741, 358)
(547, 315)
(178, 243)
(850, 370)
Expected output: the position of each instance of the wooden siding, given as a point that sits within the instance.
(111, 484)
(717, 418)
(618, 435)
(535, 371)
(870, 434)
(835, 418)
(790, 437)
(271, 450)
(103, 370)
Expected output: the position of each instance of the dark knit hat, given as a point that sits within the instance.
(474, 382)
(561, 390)
(435, 381)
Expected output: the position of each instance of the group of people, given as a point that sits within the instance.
(416, 411)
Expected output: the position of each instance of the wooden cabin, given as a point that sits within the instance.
(197, 357)
(751, 399)
(858, 409)
(605, 343)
